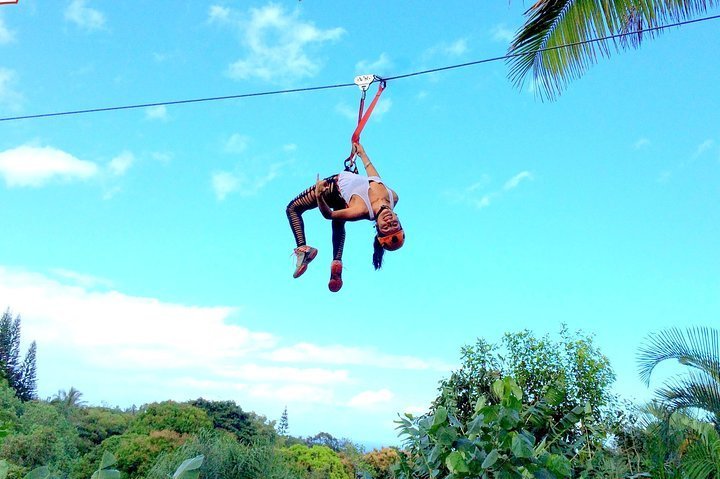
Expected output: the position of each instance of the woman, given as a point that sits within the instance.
(347, 197)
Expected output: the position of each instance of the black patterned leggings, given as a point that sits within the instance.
(307, 200)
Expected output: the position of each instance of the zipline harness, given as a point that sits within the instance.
(363, 82)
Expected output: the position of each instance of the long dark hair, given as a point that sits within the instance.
(378, 252)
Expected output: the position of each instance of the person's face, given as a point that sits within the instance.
(387, 222)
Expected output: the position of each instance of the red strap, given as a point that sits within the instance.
(364, 119)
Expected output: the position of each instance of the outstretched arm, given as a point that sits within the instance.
(346, 214)
(369, 167)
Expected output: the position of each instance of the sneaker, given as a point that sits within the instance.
(304, 254)
(335, 276)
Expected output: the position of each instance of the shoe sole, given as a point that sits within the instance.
(303, 267)
(336, 281)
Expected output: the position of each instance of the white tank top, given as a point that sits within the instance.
(352, 184)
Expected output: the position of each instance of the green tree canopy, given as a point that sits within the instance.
(229, 416)
(169, 415)
(570, 363)
(316, 462)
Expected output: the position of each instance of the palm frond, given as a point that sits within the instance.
(696, 390)
(696, 347)
(540, 44)
(702, 460)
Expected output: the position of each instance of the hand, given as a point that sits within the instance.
(321, 186)
(359, 150)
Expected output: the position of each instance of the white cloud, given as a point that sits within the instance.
(9, 96)
(78, 322)
(119, 165)
(513, 182)
(162, 156)
(474, 195)
(32, 166)
(383, 106)
(347, 111)
(297, 393)
(83, 16)
(641, 144)
(703, 147)
(156, 112)
(453, 49)
(457, 48)
(343, 355)
(6, 35)
(237, 143)
(500, 33)
(134, 349)
(86, 281)
(224, 183)
(376, 67)
(485, 201)
(279, 46)
(217, 13)
(258, 373)
(370, 399)
(243, 183)
(351, 113)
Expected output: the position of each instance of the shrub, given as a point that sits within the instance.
(170, 415)
(317, 462)
(225, 458)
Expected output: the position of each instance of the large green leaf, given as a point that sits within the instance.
(190, 468)
(104, 471)
(521, 445)
(446, 436)
(560, 465)
(42, 472)
(107, 460)
(456, 464)
(106, 474)
(4, 468)
(491, 459)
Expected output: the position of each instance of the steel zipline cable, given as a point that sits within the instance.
(343, 85)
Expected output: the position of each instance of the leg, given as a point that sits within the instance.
(338, 241)
(303, 202)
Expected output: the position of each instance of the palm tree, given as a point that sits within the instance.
(699, 349)
(69, 398)
(551, 23)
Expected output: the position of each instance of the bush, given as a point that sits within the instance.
(169, 415)
(317, 462)
(507, 439)
(225, 458)
(136, 453)
(42, 437)
(382, 462)
(95, 424)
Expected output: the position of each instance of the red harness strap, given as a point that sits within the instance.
(362, 121)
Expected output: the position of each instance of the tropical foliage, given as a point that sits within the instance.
(505, 438)
(526, 407)
(570, 363)
(699, 350)
(539, 45)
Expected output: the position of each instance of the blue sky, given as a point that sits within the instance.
(148, 252)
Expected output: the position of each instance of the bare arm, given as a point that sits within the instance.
(347, 214)
(369, 167)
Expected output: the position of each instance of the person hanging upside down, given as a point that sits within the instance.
(345, 197)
